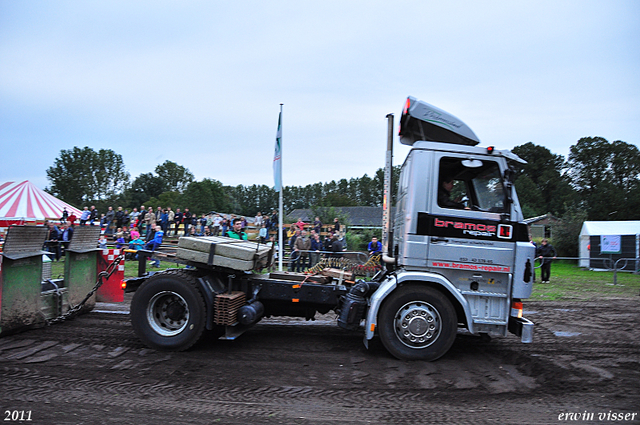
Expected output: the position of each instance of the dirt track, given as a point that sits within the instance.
(93, 370)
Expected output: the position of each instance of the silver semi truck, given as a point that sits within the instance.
(457, 255)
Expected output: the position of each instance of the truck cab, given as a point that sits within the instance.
(457, 256)
(458, 231)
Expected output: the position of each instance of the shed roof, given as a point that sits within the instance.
(595, 228)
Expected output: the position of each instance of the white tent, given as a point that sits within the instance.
(24, 202)
(604, 228)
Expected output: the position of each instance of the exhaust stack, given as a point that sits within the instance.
(387, 236)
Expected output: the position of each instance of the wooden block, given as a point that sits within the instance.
(338, 274)
(218, 260)
(225, 247)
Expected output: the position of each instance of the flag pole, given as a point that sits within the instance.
(277, 170)
(280, 205)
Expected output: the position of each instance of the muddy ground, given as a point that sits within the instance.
(584, 361)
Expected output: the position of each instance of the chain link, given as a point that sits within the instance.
(102, 276)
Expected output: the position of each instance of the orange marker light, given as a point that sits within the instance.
(295, 300)
(123, 285)
(407, 105)
(516, 309)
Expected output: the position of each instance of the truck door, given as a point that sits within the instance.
(470, 239)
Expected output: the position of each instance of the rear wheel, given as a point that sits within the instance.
(168, 311)
(417, 323)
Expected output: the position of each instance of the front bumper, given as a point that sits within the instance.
(521, 327)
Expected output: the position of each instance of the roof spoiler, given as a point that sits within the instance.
(422, 121)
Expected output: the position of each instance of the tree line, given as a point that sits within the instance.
(83, 177)
(599, 180)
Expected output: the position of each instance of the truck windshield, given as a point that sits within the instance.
(477, 187)
(489, 190)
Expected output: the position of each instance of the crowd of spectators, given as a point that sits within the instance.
(147, 228)
(58, 238)
(171, 222)
(307, 245)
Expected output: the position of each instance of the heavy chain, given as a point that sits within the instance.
(102, 276)
(371, 266)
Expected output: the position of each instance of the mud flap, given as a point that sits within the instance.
(521, 327)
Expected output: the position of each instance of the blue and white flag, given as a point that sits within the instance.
(277, 157)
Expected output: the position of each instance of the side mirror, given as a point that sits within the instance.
(509, 174)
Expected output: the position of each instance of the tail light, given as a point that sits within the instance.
(516, 309)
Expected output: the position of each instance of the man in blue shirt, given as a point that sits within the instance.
(374, 247)
(53, 244)
(155, 243)
(67, 234)
(84, 217)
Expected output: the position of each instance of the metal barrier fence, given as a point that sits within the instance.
(357, 256)
(609, 264)
(356, 261)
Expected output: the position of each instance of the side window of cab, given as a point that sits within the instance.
(470, 184)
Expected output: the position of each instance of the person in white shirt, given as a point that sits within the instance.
(217, 225)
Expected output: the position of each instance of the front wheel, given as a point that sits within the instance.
(168, 311)
(417, 323)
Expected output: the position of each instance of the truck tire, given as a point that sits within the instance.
(168, 311)
(417, 323)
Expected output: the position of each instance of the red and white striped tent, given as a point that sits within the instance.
(24, 202)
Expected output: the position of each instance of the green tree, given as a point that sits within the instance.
(204, 196)
(366, 191)
(607, 177)
(530, 197)
(625, 165)
(589, 160)
(541, 184)
(84, 176)
(143, 189)
(566, 233)
(110, 175)
(326, 215)
(378, 184)
(176, 177)
(334, 199)
(249, 200)
(169, 199)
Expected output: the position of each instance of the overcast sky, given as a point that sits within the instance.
(200, 82)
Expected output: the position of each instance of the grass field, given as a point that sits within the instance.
(130, 268)
(568, 282)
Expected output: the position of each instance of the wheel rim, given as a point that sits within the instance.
(168, 313)
(417, 324)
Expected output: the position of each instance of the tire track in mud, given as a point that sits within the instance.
(325, 368)
(279, 373)
(388, 373)
(271, 403)
(484, 375)
(92, 328)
